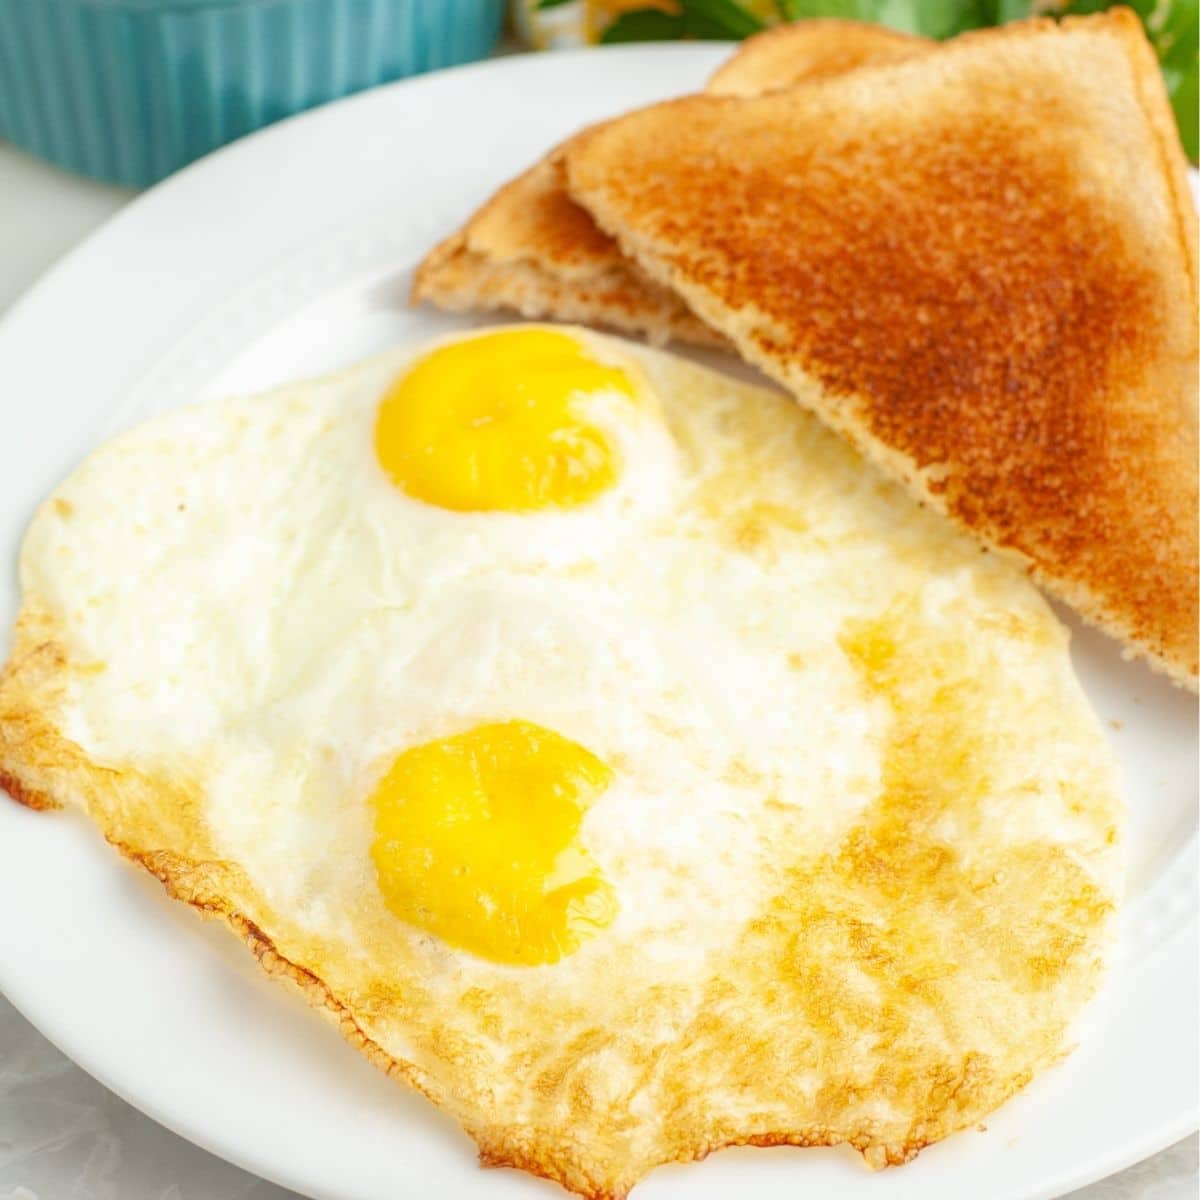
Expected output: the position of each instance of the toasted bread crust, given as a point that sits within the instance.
(532, 250)
(806, 50)
(995, 300)
(533, 214)
(622, 299)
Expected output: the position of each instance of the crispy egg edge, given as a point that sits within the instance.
(43, 770)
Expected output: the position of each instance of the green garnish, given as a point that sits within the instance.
(711, 20)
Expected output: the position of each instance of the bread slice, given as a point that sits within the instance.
(532, 250)
(979, 266)
(806, 50)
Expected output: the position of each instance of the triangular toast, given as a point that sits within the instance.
(532, 250)
(979, 265)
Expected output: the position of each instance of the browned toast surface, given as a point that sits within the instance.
(980, 266)
(532, 250)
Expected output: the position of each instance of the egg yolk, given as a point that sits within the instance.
(492, 423)
(477, 842)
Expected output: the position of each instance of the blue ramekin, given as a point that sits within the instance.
(130, 90)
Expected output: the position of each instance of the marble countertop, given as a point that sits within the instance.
(61, 1133)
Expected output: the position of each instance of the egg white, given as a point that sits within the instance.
(253, 617)
(279, 598)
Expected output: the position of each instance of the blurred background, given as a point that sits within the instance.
(127, 91)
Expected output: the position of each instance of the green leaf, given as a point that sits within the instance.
(799, 10)
(1175, 30)
(1185, 99)
(1000, 12)
(1143, 8)
(550, 3)
(929, 18)
(718, 19)
(644, 25)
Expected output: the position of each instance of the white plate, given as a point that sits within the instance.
(290, 253)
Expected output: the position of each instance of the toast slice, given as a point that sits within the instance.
(532, 250)
(979, 266)
(806, 50)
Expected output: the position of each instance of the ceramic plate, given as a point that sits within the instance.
(290, 253)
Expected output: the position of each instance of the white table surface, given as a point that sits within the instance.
(61, 1133)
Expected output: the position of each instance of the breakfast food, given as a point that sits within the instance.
(532, 250)
(992, 297)
(593, 738)
(802, 51)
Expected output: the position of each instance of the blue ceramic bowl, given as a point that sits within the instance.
(130, 90)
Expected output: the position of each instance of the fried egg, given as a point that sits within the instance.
(614, 756)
